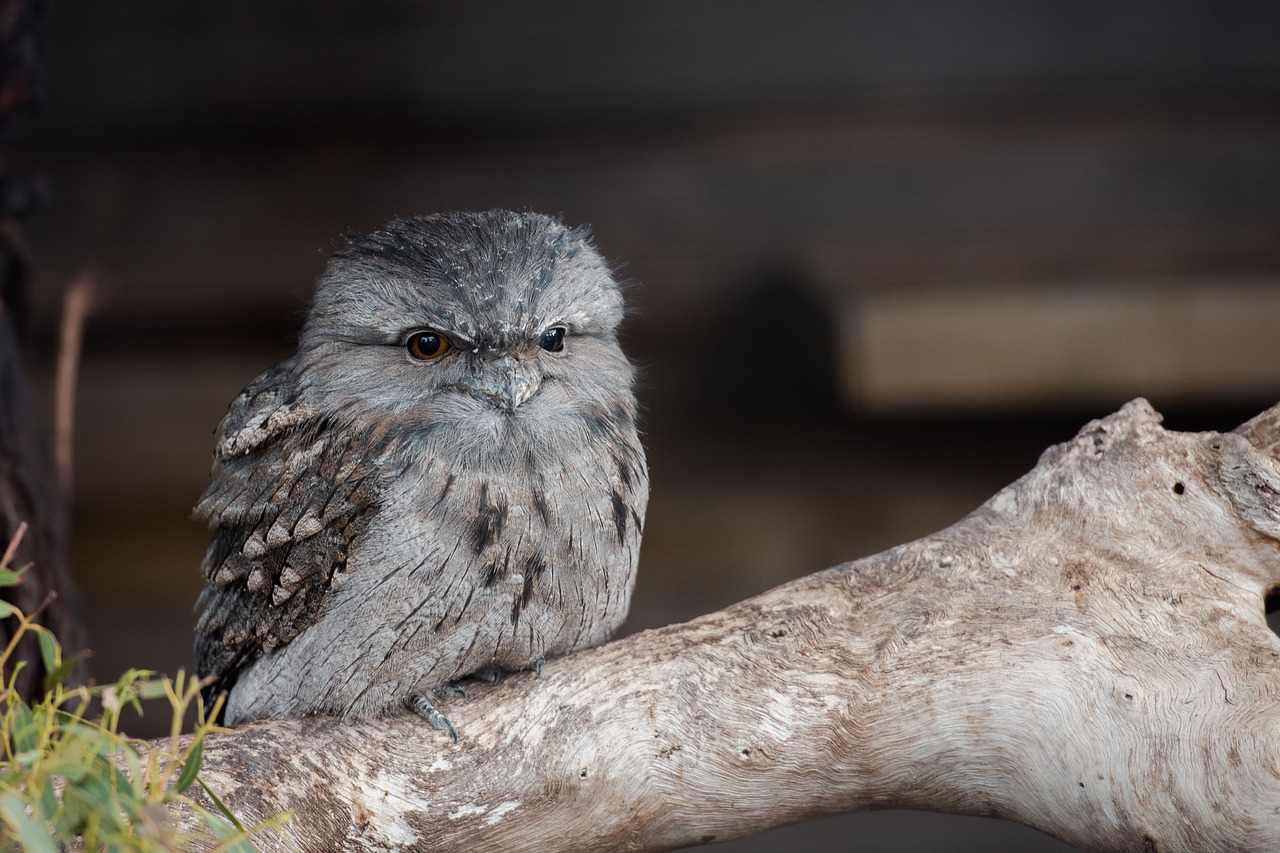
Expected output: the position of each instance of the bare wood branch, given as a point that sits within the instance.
(1087, 653)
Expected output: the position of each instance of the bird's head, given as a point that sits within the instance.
(493, 320)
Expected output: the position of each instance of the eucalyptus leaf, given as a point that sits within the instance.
(148, 689)
(50, 653)
(48, 803)
(191, 768)
(222, 807)
(79, 806)
(31, 834)
(101, 799)
(22, 727)
(58, 675)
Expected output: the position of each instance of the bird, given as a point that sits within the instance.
(445, 481)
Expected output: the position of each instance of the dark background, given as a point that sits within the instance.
(884, 253)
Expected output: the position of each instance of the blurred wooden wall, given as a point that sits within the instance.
(884, 157)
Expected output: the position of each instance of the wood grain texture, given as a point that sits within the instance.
(1086, 653)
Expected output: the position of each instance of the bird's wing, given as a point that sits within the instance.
(289, 493)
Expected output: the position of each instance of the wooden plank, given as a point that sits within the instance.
(1060, 343)
(206, 234)
(130, 65)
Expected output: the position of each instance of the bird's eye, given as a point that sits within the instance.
(426, 344)
(552, 339)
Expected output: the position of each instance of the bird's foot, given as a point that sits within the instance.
(490, 675)
(421, 705)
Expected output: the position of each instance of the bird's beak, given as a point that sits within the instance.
(509, 382)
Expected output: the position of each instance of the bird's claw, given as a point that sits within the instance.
(421, 705)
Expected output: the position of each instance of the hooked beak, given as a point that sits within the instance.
(507, 383)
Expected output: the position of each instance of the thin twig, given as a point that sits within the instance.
(75, 311)
(13, 544)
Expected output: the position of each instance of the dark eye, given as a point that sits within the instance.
(426, 344)
(552, 339)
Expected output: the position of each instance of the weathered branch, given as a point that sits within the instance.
(1087, 653)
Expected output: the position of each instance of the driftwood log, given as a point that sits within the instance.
(1087, 653)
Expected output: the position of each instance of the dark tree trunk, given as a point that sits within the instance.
(29, 488)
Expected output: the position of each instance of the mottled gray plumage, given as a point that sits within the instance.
(383, 524)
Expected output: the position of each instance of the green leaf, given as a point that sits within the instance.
(78, 809)
(50, 654)
(131, 675)
(100, 800)
(244, 845)
(74, 761)
(6, 610)
(148, 689)
(191, 768)
(48, 803)
(134, 761)
(232, 838)
(8, 577)
(58, 674)
(23, 727)
(222, 807)
(29, 832)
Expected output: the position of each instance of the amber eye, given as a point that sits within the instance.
(552, 339)
(426, 344)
